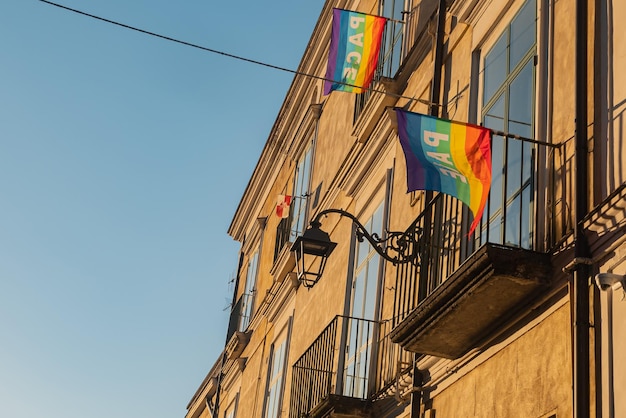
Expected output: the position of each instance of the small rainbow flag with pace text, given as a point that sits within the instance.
(354, 49)
(449, 157)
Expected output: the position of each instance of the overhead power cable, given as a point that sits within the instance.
(276, 67)
(167, 38)
(226, 54)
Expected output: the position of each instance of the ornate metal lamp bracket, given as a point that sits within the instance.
(395, 247)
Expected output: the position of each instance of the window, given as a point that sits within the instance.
(231, 411)
(301, 188)
(282, 237)
(276, 376)
(247, 299)
(367, 272)
(364, 296)
(508, 105)
(391, 46)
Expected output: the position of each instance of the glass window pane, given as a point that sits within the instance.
(391, 48)
(513, 214)
(358, 293)
(522, 33)
(275, 381)
(494, 115)
(396, 48)
(495, 229)
(528, 161)
(494, 119)
(369, 304)
(527, 221)
(300, 192)
(248, 292)
(271, 406)
(347, 389)
(509, 69)
(387, 8)
(514, 167)
(230, 412)
(495, 68)
(483, 230)
(520, 122)
(376, 223)
(495, 195)
(366, 270)
(363, 249)
(521, 102)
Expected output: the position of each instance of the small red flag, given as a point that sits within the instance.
(282, 206)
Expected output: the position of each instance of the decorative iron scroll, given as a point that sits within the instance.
(396, 247)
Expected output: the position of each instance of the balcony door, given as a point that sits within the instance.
(366, 279)
(509, 106)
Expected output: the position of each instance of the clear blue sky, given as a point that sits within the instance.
(122, 160)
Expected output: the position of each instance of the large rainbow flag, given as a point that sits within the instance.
(354, 49)
(449, 157)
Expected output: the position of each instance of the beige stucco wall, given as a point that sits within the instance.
(619, 348)
(612, 325)
(615, 50)
(528, 378)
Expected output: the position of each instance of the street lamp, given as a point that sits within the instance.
(314, 243)
(311, 244)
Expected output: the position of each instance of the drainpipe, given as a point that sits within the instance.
(416, 390)
(579, 289)
(435, 96)
(438, 59)
(418, 378)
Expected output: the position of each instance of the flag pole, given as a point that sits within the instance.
(524, 139)
(493, 131)
(369, 14)
(388, 19)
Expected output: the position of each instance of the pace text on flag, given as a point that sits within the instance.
(446, 156)
(354, 50)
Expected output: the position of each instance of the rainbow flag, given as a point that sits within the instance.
(354, 49)
(449, 157)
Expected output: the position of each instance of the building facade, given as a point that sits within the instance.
(526, 316)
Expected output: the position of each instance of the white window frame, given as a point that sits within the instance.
(276, 374)
(301, 191)
(494, 22)
(231, 409)
(249, 291)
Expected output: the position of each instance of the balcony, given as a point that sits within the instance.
(462, 294)
(464, 290)
(346, 367)
(490, 287)
(240, 316)
(282, 237)
(403, 45)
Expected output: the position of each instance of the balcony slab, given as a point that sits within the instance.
(494, 284)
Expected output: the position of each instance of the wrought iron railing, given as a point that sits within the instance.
(398, 40)
(245, 311)
(352, 357)
(440, 252)
(282, 236)
(511, 218)
(233, 323)
(392, 362)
